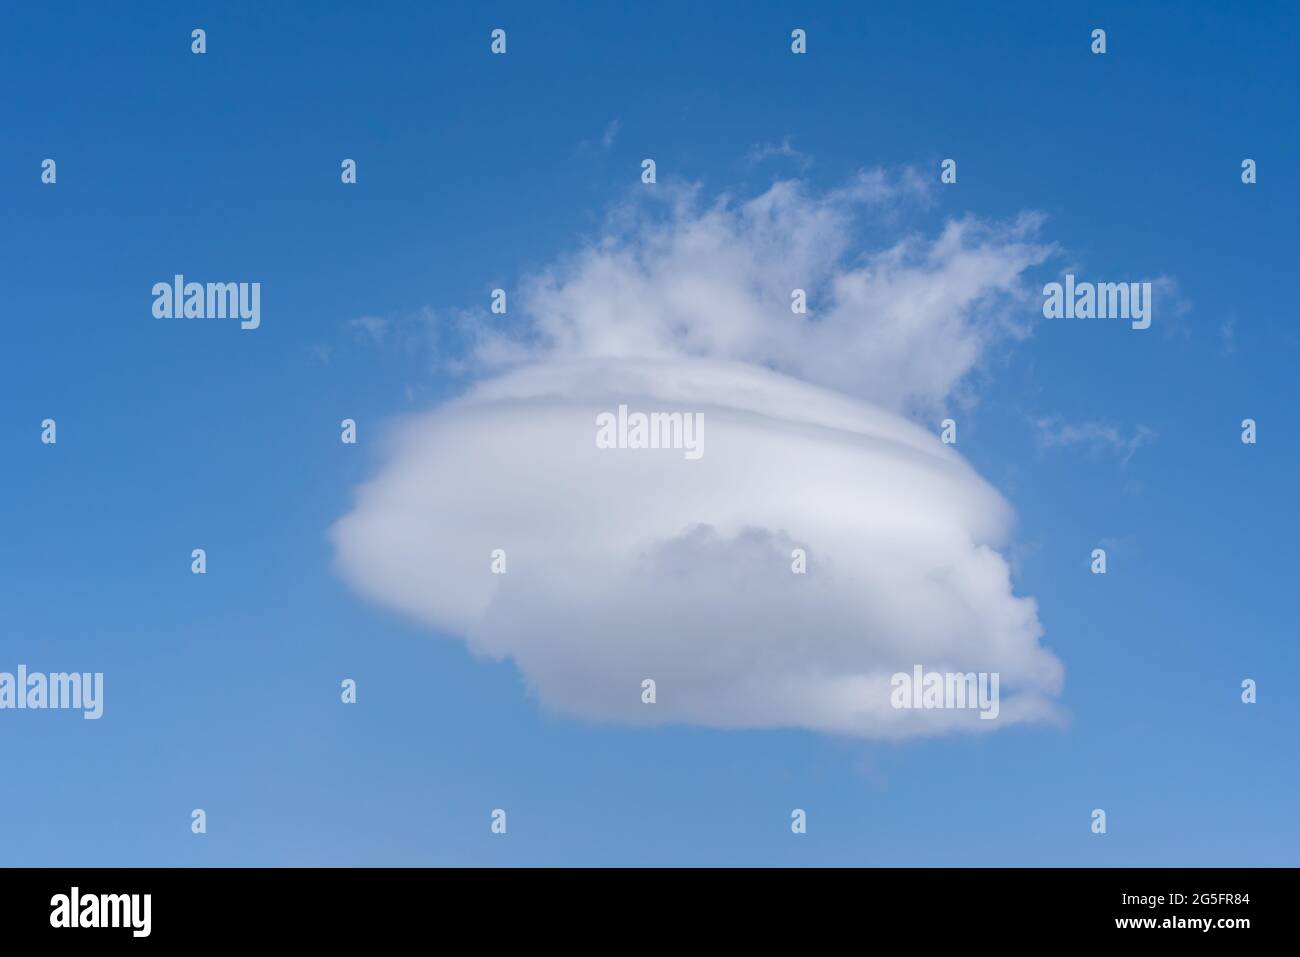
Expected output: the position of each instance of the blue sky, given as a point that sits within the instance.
(221, 691)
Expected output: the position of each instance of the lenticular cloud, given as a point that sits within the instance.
(627, 564)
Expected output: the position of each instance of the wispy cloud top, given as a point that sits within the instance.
(673, 276)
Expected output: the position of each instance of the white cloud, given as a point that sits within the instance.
(371, 328)
(627, 564)
(611, 132)
(900, 326)
(1228, 333)
(763, 152)
(605, 143)
(1053, 432)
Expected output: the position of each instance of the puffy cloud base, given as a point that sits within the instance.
(626, 564)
